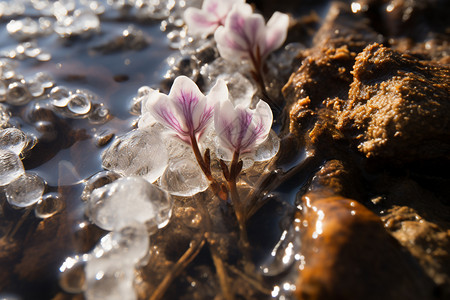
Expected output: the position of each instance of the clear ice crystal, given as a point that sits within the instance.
(60, 96)
(72, 278)
(127, 246)
(18, 93)
(13, 139)
(49, 205)
(268, 149)
(129, 200)
(79, 104)
(25, 191)
(183, 177)
(11, 167)
(138, 152)
(112, 283)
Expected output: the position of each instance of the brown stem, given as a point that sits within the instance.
(235, 169)
(14, 229)
(218, 262)
(180, 265)
(206, 168)
(257, 73)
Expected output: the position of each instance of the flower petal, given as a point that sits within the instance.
(200, 22)
(224, 116)
(263, 119)
(276, 33)
(164, 112)
(228, 48)
(219, 92)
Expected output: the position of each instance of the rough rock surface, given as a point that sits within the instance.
(371, 102)
(398, 107)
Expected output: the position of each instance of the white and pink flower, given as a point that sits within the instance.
(206, 20)
(246, 36)
(185, 111)
(241, 129)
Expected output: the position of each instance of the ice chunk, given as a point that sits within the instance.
(127, 201)
(183, 177)
(112, 282)
(138, 152)
(11, 166)
(268, 149)
(72, 278)
(25, 191)
(13, 139)
(127, 246)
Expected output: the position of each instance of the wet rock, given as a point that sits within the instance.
(349, 255)
(418, 219)
(399, 107)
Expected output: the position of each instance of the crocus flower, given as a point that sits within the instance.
(186, 111)
(246, 36)
(240, 129)
(212, 14)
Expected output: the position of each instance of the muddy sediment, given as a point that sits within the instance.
(371, 101)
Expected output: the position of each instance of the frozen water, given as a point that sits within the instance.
(112, 283)
(138, 152)
(25, 191)
(25, 28)
(79, 104)
(7, 68)
(80, 22)
(60, 96)
(13, 139)
(49, 205)
(39, 83)
(4, 116)
(72, 278)
(269, 148)
(11, 166)
(98, 180)
(183, 177)
(99, 114)
(127, 201)
(18, 93)
(240, 88)
(127, 246)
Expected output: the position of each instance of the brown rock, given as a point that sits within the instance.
(399, 107)
(349, 255)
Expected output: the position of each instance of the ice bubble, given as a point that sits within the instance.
(127, 201)
(60, 96)
(18, 93)
(127, 246)
(98, 180)
(13, 139)
(25, 191)
(23, 29)
(49, 205)
(3, 90)
(138, 152)
(7, 68)
(39, 83)
(79, 104)
(183, 177)
(72, 278)
(11, 166)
